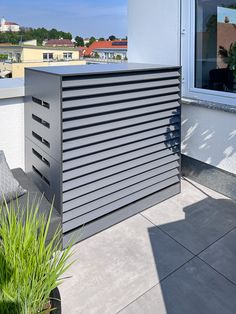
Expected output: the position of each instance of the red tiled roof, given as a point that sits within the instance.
(59, 42)
(105, 45)
(11, 23)
(82, 50)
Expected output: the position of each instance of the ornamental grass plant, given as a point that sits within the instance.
(30, 266)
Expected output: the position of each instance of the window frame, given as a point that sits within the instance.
(48, 59)
(188, 19)
(65, 56)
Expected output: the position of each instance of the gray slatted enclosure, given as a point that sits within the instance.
(104, 140)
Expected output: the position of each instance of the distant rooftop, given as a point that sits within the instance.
(59, 42)
(106, 44)
(10, 23)
(10, 46)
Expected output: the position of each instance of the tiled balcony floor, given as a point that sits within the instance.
(177, 257)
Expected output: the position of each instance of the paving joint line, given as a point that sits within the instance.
(166, 233)
(159, 283)
(195, 254)
(221, 237)
(218, 272)
(138, 297)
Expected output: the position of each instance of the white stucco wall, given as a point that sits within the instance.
(153, 31)
(12, 121)
(209, 136)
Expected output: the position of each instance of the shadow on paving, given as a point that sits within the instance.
(195, 287)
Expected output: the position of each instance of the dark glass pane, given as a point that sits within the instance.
(215, 47)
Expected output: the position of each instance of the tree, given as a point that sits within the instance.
(40, 34)
(3, 57)
(53, 34)
(96, 55)
(118, 57)
(92, 40)
(79, 41)
(112, 37)
(101, 39)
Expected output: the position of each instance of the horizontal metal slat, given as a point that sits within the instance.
(141, 122)
(70, 82)
(79, 221)
(85, 111)
(106, 89)
(101, 101)
(69, 103)
(130, 134)
(93, 186)
(112, 143)
(77, 172)
(118, 115)
(102, 155)
(100, 197)
(94, 110)
(108, 172)
(93, 149)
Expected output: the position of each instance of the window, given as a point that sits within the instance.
(67, 56)
(215, 42)
(209, 50)
(18, 57)
(47, 56)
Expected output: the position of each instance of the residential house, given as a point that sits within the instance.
(82, 50)
(86, 41)
(108, 49)
(19, 57)
(6, 26)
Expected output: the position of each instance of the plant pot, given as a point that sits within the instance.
(55, 301)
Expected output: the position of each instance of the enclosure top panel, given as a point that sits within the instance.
(100, 68)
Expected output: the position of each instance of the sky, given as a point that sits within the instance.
(99, 18)
(223, 12)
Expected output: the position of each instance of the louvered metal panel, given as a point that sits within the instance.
(98, 119)
(104, 173)
(112, 79)
(100, 138)
(146, 154)
(159, 86)
(117, 138)
(73, 113)
(93, 200)
(92, 130)
(88, 101)
(119, 203)
(120, 176)
(135, 148)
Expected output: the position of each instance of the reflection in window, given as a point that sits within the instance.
(215, 51)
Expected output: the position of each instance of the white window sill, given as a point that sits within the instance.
(209, 105)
